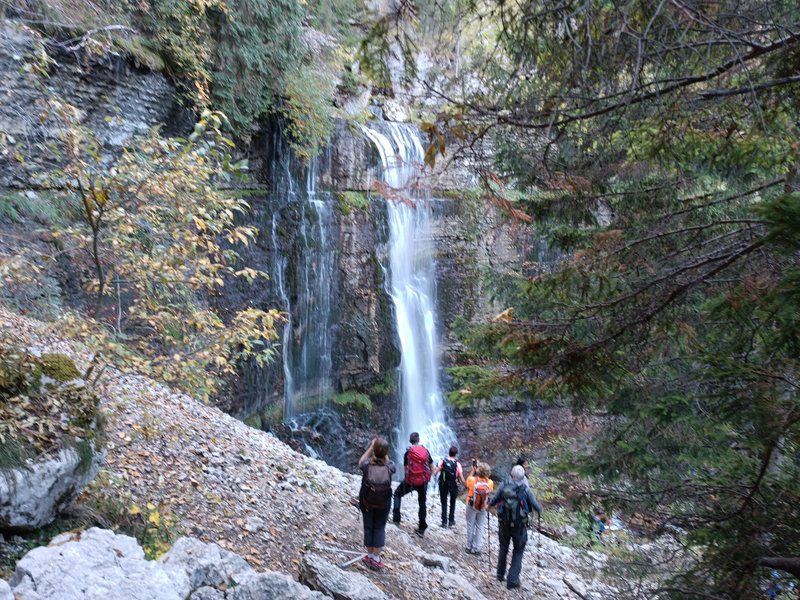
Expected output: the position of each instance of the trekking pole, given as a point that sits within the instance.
(489, 539)
(350, 562)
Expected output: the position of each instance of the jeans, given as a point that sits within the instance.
(519, 536)
(476, 522)
(446, 490)
(403, 489)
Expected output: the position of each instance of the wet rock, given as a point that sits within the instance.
(318, 574)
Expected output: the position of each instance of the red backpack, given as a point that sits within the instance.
(417, 470)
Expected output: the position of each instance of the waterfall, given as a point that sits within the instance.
(302, 241)
(411, 285)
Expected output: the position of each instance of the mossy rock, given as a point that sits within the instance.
(44, 406)
(59, 367)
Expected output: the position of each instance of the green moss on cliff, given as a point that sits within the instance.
(350, 202)
(354, 399)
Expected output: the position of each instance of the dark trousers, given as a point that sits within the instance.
(519, 536)
(403, 489)
(375, 527)
(446, 490)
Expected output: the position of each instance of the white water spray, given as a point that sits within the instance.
(412, 280)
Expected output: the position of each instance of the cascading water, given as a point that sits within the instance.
(303, 274)
(412, 280)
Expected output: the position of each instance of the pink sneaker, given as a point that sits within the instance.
(370, 563)
(377, 565)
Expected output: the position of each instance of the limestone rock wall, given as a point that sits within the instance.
(111, 96)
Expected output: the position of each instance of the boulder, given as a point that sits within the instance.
(207, 593)
(51, 436)
(30, 497)
(5, 591)
(96, 564)
(192, 564)
(263, 586)
(437, 561)
(319, 574)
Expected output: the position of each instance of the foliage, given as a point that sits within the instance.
(656, 144)
(157, 528)
(159, 235)
(257, 54)
(42, 409)
(307, 107)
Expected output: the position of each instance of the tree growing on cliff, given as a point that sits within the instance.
(160, 236)
(655, 144)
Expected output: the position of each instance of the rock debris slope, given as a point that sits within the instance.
(249, 493)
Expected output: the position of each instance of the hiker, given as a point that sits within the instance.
(515, 501)
(450, 472)
(417, 462)
(479, 488)
(375, 498)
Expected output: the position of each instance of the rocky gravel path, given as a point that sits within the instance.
(250, 493)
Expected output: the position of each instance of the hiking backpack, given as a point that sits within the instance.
(417, 471)
(448, 474)
(480, 495)
(376, 488)
(515, 509)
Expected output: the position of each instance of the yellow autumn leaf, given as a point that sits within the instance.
(154, 518)
(134, 510)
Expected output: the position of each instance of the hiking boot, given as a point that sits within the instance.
(468, 550)
(420, 532)
(452, 524)
(512, 586)
(501, 578)
(444, 525)
(477, 553)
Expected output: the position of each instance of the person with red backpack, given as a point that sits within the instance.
(450, 473)
(418, 467)
(479, 488)
(375, 498)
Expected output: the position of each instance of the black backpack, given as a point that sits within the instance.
(376, 488)
(448, 474)
(515, 509)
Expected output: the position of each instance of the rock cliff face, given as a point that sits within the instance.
(111, 95)
(118, 100)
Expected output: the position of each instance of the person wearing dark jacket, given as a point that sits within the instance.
(375, 458)
(516, 502)
(416, 459)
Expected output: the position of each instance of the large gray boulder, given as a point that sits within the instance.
(31, 497)
(51, 426)
(192, 564)
(266, 586)
(5, 591)
(319, 574)
(96, 564)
